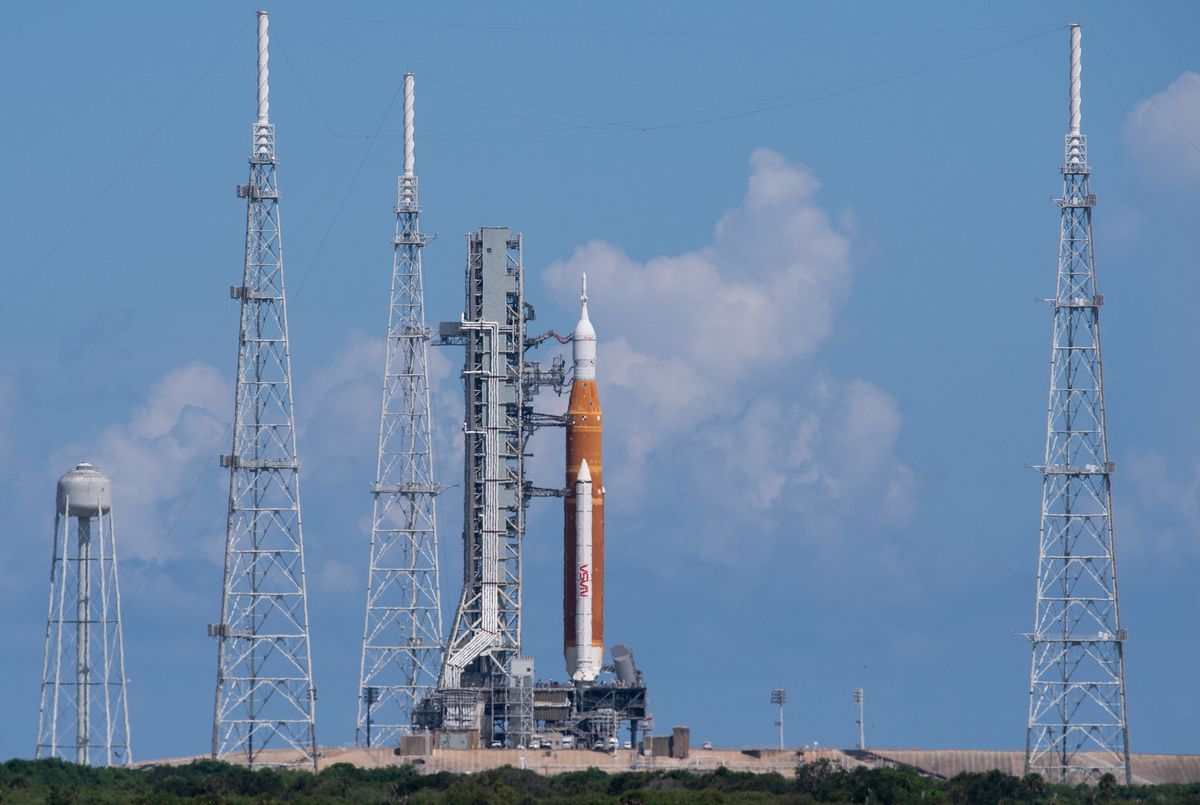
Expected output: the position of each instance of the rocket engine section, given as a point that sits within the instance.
(583, 512)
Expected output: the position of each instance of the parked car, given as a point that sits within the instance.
(496, 745)
(628, 744)
(568, 742)
(708, 744)
(598, 746)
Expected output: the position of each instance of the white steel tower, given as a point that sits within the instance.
(265, 697)
(1077, 727)
(402, 636)
(84, 713)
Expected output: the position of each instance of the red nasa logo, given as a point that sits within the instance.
(585, 578)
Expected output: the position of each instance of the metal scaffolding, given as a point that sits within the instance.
(520, 702)
(1077, 728)
(265, 697)
(486, 635)
(402, 635)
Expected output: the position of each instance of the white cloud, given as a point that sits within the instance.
(335, 576)
(1162, 514)
(9, 395)
(763, 291)
(1167, 127)
(338, 406)
(801, 469)
(706, 361)
(158, 459)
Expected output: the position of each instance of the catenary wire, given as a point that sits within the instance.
(37, 269)
(370, 143)
(594, 125)
(678, 32)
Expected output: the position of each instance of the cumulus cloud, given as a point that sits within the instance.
(708, 372)
(1167, 127)
(158, 459)
(338, 406)
(1162, 514)
(9, 394)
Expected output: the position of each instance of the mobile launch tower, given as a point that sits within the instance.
(486, 687)
(1077, 727)
(83, 714)
(486, 634)
(265, 697)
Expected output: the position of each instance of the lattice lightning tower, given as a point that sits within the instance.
(402, 637)
(1077, 721)
(265, 697)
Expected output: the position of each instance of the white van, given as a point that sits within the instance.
(568, 742)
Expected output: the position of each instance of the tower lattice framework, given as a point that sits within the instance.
(486, 632)
(1077, 728)
(402, 636)
(265, 697)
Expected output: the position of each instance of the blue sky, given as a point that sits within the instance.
(814, 237)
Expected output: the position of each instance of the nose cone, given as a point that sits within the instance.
(583, 342)
(585, 475)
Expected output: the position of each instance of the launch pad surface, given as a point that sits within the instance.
(1148, 769)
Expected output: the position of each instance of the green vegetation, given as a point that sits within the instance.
(53, 781)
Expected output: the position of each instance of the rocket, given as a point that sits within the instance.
(583, 512)
(584, 584)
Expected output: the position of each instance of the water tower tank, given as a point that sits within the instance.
(86, 490)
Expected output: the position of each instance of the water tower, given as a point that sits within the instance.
(83, 714)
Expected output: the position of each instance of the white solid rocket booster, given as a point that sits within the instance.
(583, 575)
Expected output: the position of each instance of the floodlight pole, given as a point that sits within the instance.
(862, 738)
(779, 697)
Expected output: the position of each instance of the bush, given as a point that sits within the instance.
(23, 781)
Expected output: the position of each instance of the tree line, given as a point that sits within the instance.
(208, 781)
